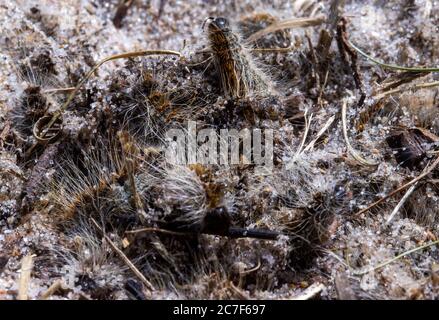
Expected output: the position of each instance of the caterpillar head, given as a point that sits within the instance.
(219, 24)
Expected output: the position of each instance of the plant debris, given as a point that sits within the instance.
(191, 150)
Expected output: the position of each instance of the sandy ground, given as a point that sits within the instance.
(328, 185)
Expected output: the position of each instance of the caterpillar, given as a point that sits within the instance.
(240, 77)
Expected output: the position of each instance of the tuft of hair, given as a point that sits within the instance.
(147, 107)
(30, 107)
(79, 184)
(182, 196)
(88, 265)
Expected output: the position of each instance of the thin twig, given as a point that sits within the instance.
(336, 257)
(272, 49)
(415, 87)
(124, 258)
(342, 42)
(142, 230)
(26, 269)
(56, 90)
(199, 63)
(401, 202)
(57, 285)
(426, 171)
(400, 79)
(305, 135)
(351, 150)
(287, 24)
(314, 72)
(310, 292)
(251, 269)
(385, 263)
(391, 66)
(320, 133)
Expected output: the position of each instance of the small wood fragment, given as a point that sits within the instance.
(125, 243)
(55, 287)
(311, 292)
(25, 277)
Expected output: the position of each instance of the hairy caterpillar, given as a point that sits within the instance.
(239, 75)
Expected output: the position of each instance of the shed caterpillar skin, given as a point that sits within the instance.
(240, 77)
(93, 183)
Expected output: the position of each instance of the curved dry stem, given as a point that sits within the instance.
(125, 55)
(415, 87)
(385, 263)
(287, 24)
(401, 203)
(151, 229)
(392, 66)
(255, 268)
